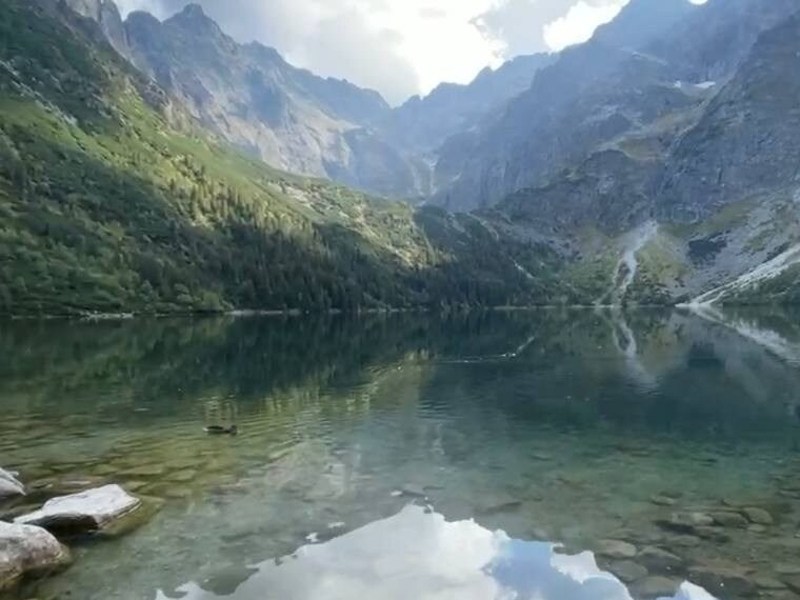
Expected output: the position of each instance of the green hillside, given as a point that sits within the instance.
(111, 199)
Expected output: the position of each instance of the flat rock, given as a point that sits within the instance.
(769, 583)
(655, 587)
(413, 491)
(685, 522)
(10, 486)
(658, 560)
(787, 569)
(729, 519)
(663, 501)
(28, 550)
(627, 571)
(793, 583)
(723, 581)
(499, 508)
(615, 549)
(84, 512)
(183, 476)
(758, 516)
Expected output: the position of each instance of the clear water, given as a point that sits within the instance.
(479, 456)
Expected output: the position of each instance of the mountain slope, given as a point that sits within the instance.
(294, 120)
(657, 62)
(252, 98)
(720, 179)
(422, 124)
(113, 200)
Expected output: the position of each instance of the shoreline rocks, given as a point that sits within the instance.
(10, 486)
(28, 550)
(84, 512)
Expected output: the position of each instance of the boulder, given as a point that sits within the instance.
(85, 512)
(10, 485)
(28, 550)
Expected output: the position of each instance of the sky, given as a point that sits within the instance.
(401, 47)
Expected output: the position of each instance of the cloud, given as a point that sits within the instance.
(579, 23)
(529, 26)
(400, 47)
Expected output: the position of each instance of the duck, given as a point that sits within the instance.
(221, 430)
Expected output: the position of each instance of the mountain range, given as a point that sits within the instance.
(656, 163)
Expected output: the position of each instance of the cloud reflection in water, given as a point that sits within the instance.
(418, 554)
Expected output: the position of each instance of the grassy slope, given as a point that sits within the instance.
(111, 201)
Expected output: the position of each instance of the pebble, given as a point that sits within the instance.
(184, 476)
(663, 501)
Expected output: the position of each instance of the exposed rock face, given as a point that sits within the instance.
(420, 125)
(746, 142)
(107, 16)
(27, 550)
(295, 120)
(84, 512)
(637, 74)
(251, 97)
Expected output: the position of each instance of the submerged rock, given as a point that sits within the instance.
(663, 501)
(723, 580)
(685, 522)
(661, 561)
(758, 516)
(86, 512)
(655, 587)
(28, 550)
(729, 519)
(615, 549)
(10, 485)
(627, 571)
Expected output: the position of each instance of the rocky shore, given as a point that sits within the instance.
(33, 544)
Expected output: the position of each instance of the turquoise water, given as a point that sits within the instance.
(410, 456)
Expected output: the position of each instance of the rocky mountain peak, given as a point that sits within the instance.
(193, 11)
(194, 19)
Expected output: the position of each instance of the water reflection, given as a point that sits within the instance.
(418, 554)
(563, 426)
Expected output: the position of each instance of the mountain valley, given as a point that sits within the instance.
(655, 164)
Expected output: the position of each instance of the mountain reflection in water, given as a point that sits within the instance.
(418, 554)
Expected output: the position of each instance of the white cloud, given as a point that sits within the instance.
(401, 47)
(579, 23)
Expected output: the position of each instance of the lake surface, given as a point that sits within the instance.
(548, 455)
